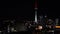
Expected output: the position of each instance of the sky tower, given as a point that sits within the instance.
(36, 8)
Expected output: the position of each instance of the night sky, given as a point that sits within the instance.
(25, 8)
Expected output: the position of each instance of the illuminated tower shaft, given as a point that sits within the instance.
(36, 16)
(36, 11)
